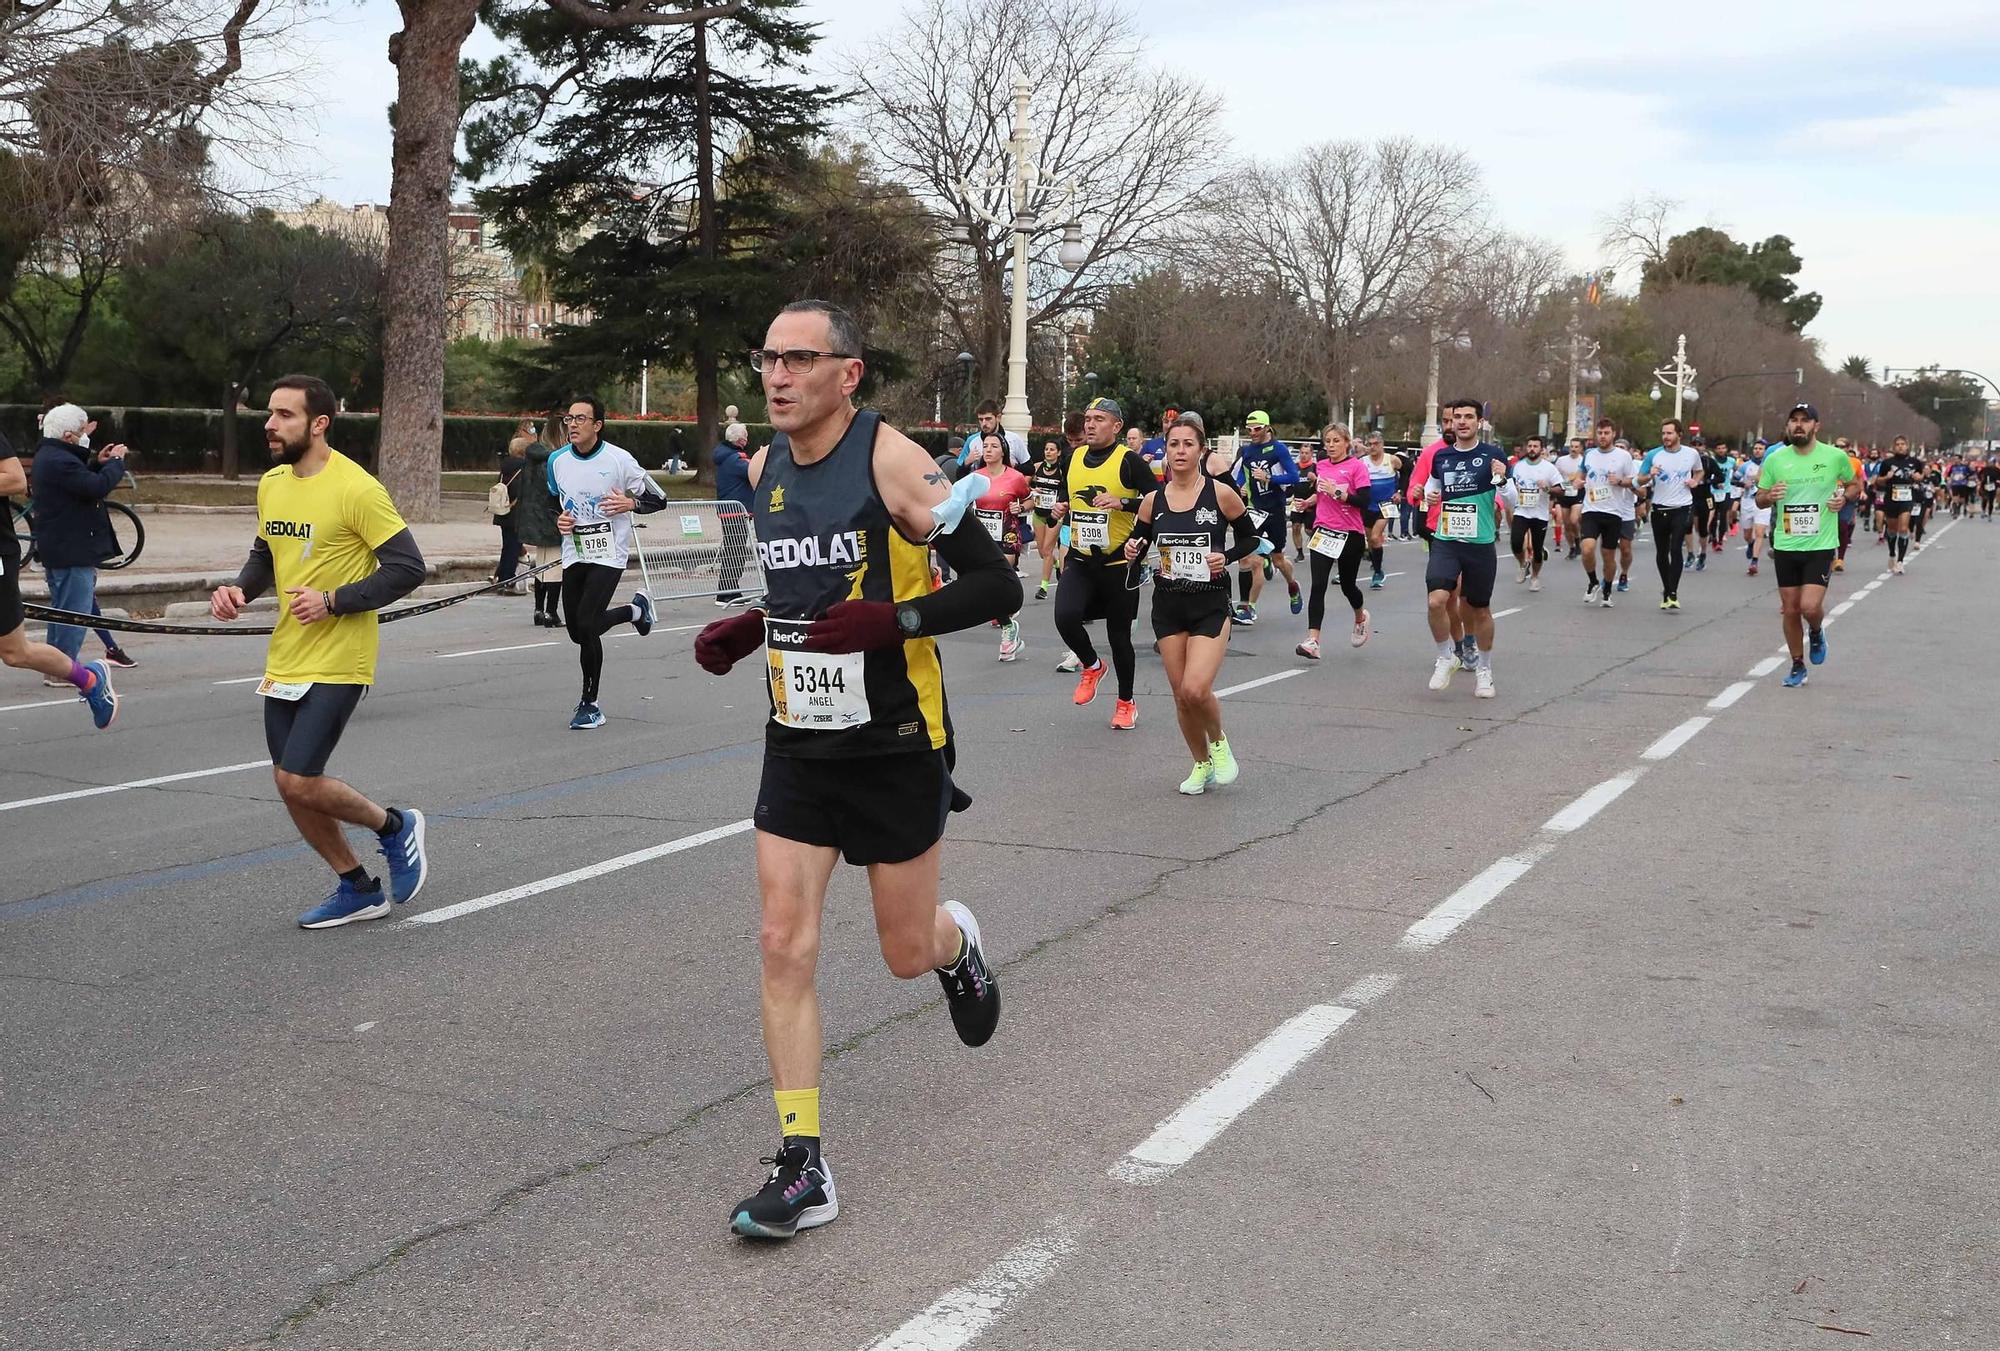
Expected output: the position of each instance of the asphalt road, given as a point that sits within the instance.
(1551, 1021)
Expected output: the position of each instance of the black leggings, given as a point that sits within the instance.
(1090, 591)
(1323, 568)
(586, 588)
(1670, 527)
(1526, 531)
(1703, 513)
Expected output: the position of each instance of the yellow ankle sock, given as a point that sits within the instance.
(798, 1111)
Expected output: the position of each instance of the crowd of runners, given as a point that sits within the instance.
(871, 549)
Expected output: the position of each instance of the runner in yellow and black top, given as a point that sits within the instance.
(1103, 487)
(330, 540)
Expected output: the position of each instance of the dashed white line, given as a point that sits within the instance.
(1765, 667)
(1208, 1113)
(1842, 608)
(1578, 813)
(1731, 695)
(583, 874)
(1369, 988)
(239, 680)
(488, 651)
(1258, 682)
(1502, 614)
(964, 1312)
(1471, 898)
(1675, 739)
(155, 782)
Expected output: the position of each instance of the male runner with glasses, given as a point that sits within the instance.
(858, 750)
(599, 486)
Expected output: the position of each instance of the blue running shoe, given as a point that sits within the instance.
(1624, 583)
(347, 905)
(642, 613)
(1816, 647)
(103, 700)
(409, 864)
(587, 716)
(1797, 676)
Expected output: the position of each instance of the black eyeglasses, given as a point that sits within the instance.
(798, 360)
(573, 419)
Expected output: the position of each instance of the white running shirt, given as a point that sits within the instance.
(1672, 471)
(579, 482)
(1599, 493)
(1534, 484)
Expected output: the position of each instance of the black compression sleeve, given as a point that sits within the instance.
(1361, 498)
(1245, 538)
(259, 573)
(399, 570)
(985, 588)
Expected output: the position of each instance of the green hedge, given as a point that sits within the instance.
(189, 440)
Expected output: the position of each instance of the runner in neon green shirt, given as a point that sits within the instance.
(1805, 483)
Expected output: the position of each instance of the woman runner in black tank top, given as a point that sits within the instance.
(1187, 519)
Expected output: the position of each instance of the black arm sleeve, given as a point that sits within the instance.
(985, 588)
(259, 574)
(1361, 498)
(399, 570)
(649, 501)
(1244, 538)
(1137, 475)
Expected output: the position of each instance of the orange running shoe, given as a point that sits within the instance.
(1125, 716)
(1086, 682)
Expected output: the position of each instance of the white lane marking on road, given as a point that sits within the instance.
(1765, 667)
(1675, 739)
(1471, 898)
(487, 651)
(135, 783)
(45, 703)
(961, 1314)
(630, 633)
(1842, 608)
(1369, 988)
(1259, 681)
(1502, 614)
(1731, 695)
(583, 874)
(240, 680)
(1208, 1113)
(363, 1027)
(1578, 813)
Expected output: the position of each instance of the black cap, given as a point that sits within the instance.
(1807, 409)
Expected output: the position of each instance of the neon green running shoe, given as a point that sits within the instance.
(1223, 761)
(1197, 781)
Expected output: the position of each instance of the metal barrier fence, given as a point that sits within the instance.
(688, 550)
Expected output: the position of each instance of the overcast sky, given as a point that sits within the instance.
(1867, 132)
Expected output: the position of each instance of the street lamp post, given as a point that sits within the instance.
(1577, 356)
(1027, 190)
(1678, 377)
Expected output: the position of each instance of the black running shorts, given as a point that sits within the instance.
(10, 584)
(1802, 567)
(1197, 611)
(302, 733)
(872, 808)
(1602, 526)
(1457, 563)
(1273, 528)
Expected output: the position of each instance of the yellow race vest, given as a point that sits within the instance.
(1093, 531)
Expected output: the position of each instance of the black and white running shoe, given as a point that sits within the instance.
(969, 984)
(797, 1195)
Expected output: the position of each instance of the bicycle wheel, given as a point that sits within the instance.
(129, 532)
(23, 526)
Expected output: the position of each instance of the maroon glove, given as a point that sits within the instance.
(855, 626)
(727, 641)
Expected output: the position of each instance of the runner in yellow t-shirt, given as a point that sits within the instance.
(329, 538)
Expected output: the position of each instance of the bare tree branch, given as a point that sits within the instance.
(640, 13)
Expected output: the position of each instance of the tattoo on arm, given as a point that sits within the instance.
(937, 476)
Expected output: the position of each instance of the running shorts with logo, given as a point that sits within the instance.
(301, 733)
(1803, 567)
(1201, 613)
